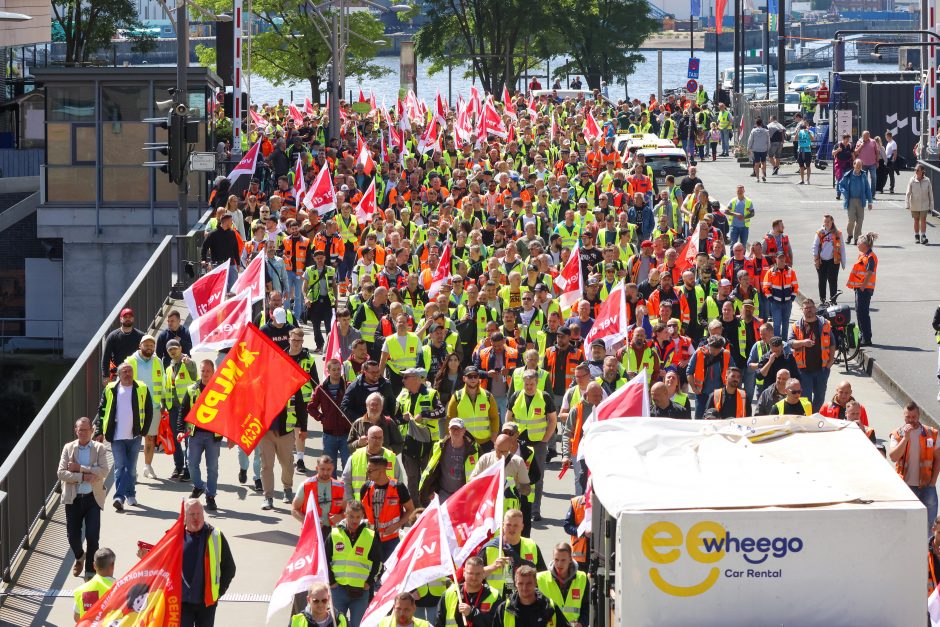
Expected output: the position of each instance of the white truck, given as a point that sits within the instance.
(755, 522)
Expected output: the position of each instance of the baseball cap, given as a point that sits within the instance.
(456, 422)
(344, 188)
(280, 316)
(510, 428)
(747, 302)
(148, 338)
(413, 372)
(646, 244)
(725, 283)
(469, 370)
(716, 341)
(533, 268)
(599, 344)
(126, 311)
(173, 344)
(434, 327)
(541, 287)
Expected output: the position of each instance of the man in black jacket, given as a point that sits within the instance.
(528, 606)
(368, 381)
(221, 245)
(120, 344)
(203, 543)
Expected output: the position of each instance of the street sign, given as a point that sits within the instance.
(693, 67)
(919, 98)
(202, 162)
(691, 86)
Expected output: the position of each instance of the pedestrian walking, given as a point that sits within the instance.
(95, 586)
(857, 192)
(354, 556)
(758, 144)
(829, 256)
(83, 467)
(811, 343)
(119, 345)
(208, 568)
(866, 151)
(919, 201)
(201, 442)
(862, 279)
(124, 415)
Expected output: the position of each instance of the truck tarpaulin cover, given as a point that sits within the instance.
(779, 520)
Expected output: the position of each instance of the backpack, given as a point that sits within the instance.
(776, 136)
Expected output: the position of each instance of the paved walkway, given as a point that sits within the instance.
(262, 541)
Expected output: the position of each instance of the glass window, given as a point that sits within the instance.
(70, 184)
(122, 143)
(71, 103)
(126, 184)
(125, 103)
(84, 144)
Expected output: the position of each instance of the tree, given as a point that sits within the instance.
(490, 31)
(293, 46)
(88, 26)
(600, 36)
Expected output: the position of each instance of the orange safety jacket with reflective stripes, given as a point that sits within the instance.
(575, 357)
(836, 244)
(511, 360)
(860, 278)
(825, 342)
(578, 430)
(781, 284)
(718, 398)
(579, 545)
(698, 376)
(928, 444)
(390, 513)
(295, 254)
(678, 298)
(337, 496)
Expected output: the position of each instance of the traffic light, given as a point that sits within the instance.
(182, 136)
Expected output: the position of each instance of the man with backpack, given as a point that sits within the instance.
(804, 152)
(777, 134)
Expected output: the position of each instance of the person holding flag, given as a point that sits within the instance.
(200, 440)
(506, 553)
(471, 603)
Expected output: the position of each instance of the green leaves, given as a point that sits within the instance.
(89, 26)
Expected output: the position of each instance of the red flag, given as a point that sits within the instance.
(252, 279)
(295, 113)
(475, 106)
(428, 139)
(208, 291)
(508, 107)
(512, 134)
(308, 106)
(259, 121)
(422, 557)
(247, 164)
(440, 110)
(686, 258)
(591, 130)
(720, 6)
(404, 122)
(364, 158)
(569, 281)
(491, 123)
(332, 345)
(322, 195)
(473, 513)
(306, 566)
(150, 594)
(367, 205)
(219, 327)
(242, 400)
(372, 100)
(628, 401)
(441, 273)
(588, 520)
(610, 324)
(300, 185)
(362, 96)
(530, 105)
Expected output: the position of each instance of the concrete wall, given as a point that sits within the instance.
(35, 31)
(94, 277)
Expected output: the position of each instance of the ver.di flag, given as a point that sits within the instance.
(208, 291)
(610, 324)
(367, 205)
(247, 164)
(569, 281)
(242, 399)
(219, 327)
(252, 279)
(150, 594)
(306, 566)
(472, 514)
(321, 196)
(441, 273)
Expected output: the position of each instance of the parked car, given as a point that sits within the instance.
(809, 80)
(755, 86)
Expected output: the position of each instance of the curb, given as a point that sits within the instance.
(888, 383)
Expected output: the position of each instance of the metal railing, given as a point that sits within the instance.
(15, 335)
(28, 476)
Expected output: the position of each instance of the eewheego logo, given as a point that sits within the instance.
(708, 542)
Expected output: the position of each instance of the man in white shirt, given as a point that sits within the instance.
(891, 158)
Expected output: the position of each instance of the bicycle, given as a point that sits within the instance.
(845, 334)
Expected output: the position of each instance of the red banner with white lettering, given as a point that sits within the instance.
(219, 327)
(306, 566)
(150, 594)
(252, 279)
(422, 557)
(208, 291)
(474, 512)
(610, 324)
(248, 390)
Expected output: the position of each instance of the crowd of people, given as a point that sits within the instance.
(428, 382)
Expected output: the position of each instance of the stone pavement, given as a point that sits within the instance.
(262, 541)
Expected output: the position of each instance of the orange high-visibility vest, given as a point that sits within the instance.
(579, 545)
(390, 513)
(799, 354)
(337, 496)
(718, 397)
(698, 376)
(575, 357)
(860, 278)
(295, 254)
(511, 360)
(925, 463)
(836, 244)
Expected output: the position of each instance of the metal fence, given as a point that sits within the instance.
(28, 476)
